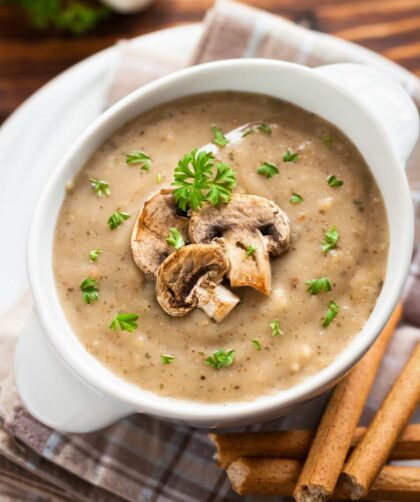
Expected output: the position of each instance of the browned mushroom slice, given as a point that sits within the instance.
(148, 239)
(190, 278)
(247, 220)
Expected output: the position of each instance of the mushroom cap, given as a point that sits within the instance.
(148, 238)
(196, 265)
(243, 211)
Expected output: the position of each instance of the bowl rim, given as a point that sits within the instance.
(148, 402)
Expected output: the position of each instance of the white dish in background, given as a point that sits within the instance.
(370, 109)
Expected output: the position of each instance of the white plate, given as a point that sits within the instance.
(34, 138)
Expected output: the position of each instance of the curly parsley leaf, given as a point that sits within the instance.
(315, 286)
(125, 321)
(175, 238)
(289, 156)
(139, 157)
(220, 359)
(196, 182)
(117, 218)
(296, 199)
(90, 290)
(94, 254)
(333, 310)
(166, 358)
(330, 240)
(333, 181)
(268, 170)
(101, 187)
(275, 328)
(219, 138)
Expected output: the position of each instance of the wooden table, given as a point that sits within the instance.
(29, 57)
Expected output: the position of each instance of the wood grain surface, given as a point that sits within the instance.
(29, 57)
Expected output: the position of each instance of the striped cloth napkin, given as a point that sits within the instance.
(142, 458)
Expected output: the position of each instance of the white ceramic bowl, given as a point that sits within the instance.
(68, 389)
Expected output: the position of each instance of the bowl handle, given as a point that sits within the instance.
(384, 98)
(52, 393)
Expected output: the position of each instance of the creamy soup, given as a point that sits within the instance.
(323, 287)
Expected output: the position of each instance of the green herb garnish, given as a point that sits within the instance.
(265, 128)
(333, 181)
(125, 321)
(275, 328)
(159, 178)
(139, 157)
(327, 139)
(101, 187)
(317, 285)
(116, 219)
(196, 182)
(288, 156)
(268, 170)
(333, 310)
(219, 138)
(175, 238)
(330, 240)
(256, 344)
(90, 290)
(250, 250)
(248, 132)
(94, 254)
(166, 358)
(220, 359)
(296, 199)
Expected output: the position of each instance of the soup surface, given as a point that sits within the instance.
(330, 197)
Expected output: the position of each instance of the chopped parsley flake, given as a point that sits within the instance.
(250, 250)
(268, 170)
(327, 139)
(139, 157)
(265, 128)
(220, 359)
(256, 344)
(94, 254)
(289, 156)
(90, 290)
(175, 238)
(333, 181)
(219, 138)
(196, 182)
(296, 199)
(166, 358)
(315, 286)
(101, 187)
(125, 321)
(275, 328)
(116, 219)
(333, 310)
(330, 240)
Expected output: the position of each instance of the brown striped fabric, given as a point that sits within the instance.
(142, 458)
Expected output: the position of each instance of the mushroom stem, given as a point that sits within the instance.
(252, 269)
(216, 302)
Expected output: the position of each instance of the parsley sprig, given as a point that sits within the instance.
(90, 290)
(250, 250)
(94, 254)
(256, 343)
(220, 359)
(330, 240)
(175, 238)
(296, 199)
(315, 286)
(197, 183)
(117, 218)
(219, 138)
(275, 328)
(101, 187)
(333, 181)
(166, 358)
(333, 310)
(125, 321)
(139, 157)
(289, 156)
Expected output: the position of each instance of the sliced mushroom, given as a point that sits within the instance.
(150, 249)
(247, 220)
(190, 278)
(148, 238)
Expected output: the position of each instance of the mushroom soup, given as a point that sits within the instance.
(225, 273)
